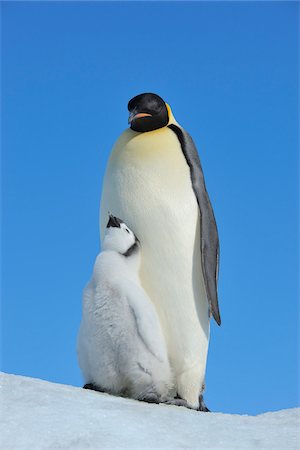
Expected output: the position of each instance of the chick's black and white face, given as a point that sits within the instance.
(118, 237)
(148, 112)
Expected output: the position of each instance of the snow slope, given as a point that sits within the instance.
(38, 415)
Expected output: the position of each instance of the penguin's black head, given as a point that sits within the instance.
(148, 112)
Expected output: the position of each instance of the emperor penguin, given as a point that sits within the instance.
(121, 347)
(154, 180)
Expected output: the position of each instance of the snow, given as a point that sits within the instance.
(36, 414)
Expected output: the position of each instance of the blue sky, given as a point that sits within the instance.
(229, 71)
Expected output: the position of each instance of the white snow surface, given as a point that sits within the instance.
(36, 414)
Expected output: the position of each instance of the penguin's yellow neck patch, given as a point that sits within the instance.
(170, 114)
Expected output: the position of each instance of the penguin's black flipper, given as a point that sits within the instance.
(209, 234)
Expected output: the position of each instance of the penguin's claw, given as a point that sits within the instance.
(89, 386)
(150, 398)
(92, 387)
(203, 408)
(202, 405)
(176, 402)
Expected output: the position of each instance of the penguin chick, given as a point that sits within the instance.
(121, 348)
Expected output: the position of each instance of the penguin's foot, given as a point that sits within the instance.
(181, 402)
(92, 387)
(176, 401)
(150, 398)
(202, 405)
(154, 398)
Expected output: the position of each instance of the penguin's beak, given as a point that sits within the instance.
(113, 221)
(134, 116)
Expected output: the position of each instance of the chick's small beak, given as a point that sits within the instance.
(134, 116)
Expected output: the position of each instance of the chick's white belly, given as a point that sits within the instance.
(163, 213)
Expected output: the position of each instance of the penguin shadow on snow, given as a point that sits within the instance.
(121, 347)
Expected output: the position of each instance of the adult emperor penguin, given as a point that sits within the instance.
(154, 181)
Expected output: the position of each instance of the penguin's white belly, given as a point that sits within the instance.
(147, 184)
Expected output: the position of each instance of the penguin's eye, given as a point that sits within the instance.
(127, 230)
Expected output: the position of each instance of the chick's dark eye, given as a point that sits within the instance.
(127, 230)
